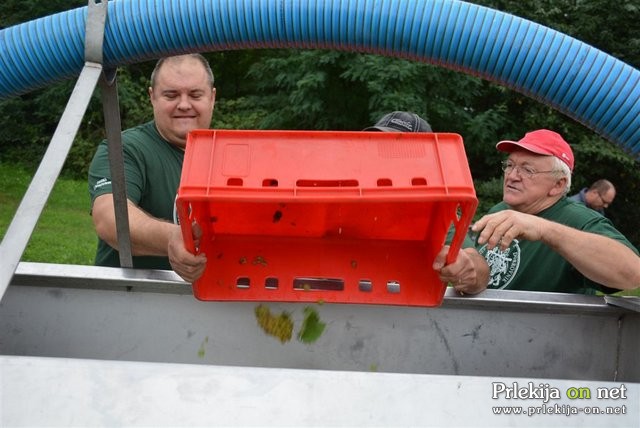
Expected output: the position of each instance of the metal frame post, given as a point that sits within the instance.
(35, 198)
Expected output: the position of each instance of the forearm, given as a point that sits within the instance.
(599, 258)
(469, 274)
(481, 269)
(149, 236)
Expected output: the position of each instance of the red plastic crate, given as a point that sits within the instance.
(347, 217)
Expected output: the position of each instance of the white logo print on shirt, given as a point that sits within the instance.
(503, 265)
(100, 183)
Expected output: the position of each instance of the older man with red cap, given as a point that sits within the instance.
(538, 240)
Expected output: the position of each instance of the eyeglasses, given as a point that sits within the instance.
(604, 201)
(522, 171)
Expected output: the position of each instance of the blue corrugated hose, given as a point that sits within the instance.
(585, 83)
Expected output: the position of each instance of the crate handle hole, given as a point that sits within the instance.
(365, 285)
(234, 182)
(384, 182)
(393, 286)
(419, 181)
(243, 282)
(271, 283)
(318, 284)
(269, 182)
(327, 183)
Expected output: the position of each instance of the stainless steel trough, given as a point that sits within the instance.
(114, 330)
(118, 314)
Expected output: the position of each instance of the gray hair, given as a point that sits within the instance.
(197, 56)
(561, 170)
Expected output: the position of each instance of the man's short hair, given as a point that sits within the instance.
(197, 56)
(601, 186)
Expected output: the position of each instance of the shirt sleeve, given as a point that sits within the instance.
(100, 174)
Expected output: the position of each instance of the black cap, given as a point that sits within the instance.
(400, 121)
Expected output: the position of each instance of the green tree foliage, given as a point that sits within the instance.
(30, 120)
(18, 11)
(338, 90)
(611, 26)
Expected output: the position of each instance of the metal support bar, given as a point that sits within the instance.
(94, 30)
(627, 302)
(26, 217)
(109, 87)
(96, 20)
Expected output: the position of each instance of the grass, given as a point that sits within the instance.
(64, 233)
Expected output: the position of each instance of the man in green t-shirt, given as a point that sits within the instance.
(537, 239)
(182, 94)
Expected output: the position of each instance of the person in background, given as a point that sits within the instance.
(182, 95)
(400, 121)
(538, 240)
(597, 197)
(469, 274)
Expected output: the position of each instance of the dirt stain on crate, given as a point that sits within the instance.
(259, 260)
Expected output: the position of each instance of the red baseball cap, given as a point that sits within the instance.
(542, 142)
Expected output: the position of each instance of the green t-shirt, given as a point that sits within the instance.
(533, 266)
(152, 174)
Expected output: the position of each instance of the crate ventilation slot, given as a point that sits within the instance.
(272, 182)
(318, 284)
